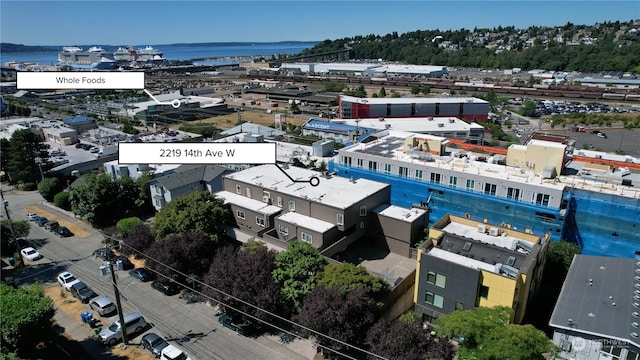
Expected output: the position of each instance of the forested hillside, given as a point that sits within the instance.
(601, 47)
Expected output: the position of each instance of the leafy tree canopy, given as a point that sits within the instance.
(246, 275)
(49, 187)
(24, 148)
(138, 240)
(341, 315)
(126, 225)
(190, 253)
(485, 333)
(560, 255)
(21, 228)
(199, 211)
(349, 277)
(407, 341)
(297, 271)
(26, 316)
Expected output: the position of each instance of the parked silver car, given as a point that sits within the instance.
(103, 305)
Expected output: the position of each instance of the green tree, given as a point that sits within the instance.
(252, 245)
(21, 228)
(62, 201)
(24, 148)
(487, 334)
(49, 187)
(560, 255)
(127, 224)
(26, 316)
(382, 93)
(198, 211)
(415, 90)
(349, 277)
(528, 108)
(297, 271)
(426, 90)
(101, 200)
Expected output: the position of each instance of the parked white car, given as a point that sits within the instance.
(67, 279)
(30, 254)
(32, 216)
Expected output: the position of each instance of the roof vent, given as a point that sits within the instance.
(592, 315)
(637, 277)
(636, 304)
(635, 324)
(634, 335)
(635, 314)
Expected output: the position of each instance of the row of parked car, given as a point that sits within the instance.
(50, 225)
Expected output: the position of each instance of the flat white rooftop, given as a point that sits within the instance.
(247, 203)
(414, 100)
(334, 191)
(462, 260)
(502, 240)
(399, 213)
(414, 124)
(306, 221)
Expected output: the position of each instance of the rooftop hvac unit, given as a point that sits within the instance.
(482, 229)
(430, 118)
(451, 121)
(566, 346)
(494, 231)
(440, 125)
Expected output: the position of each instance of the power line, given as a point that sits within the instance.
(315, 332)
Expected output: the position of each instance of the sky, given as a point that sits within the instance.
(157, 22)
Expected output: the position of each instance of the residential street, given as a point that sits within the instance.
(193, 327)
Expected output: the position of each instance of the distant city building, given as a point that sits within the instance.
(81, 123)
(367, 69)
(466, 264)
(597, 315)
(466, 108)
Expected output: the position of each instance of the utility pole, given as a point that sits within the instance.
(5, 203)
(123, 327)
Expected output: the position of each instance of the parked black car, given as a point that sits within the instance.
(142, 274)
(52, 225)
(81, 291)
(236, 323)
(63, 231)
(166, 287)
(41, 221)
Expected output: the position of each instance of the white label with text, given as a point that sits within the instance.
(197, 153)
(80, 80)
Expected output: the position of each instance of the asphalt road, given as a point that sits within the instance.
(169, 316)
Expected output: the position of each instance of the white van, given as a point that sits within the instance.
(134, 323)
(171, 352)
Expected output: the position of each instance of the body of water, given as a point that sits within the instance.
(218, 51)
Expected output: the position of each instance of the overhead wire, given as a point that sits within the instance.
(274, 315)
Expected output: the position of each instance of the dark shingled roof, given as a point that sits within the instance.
(189, 174)
(597, 298)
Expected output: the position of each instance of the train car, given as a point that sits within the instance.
(632, 97)
(613, 96)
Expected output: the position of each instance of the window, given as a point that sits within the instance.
(387, 168)
(284, 230)
(542, 199)
(238, 189)
(471, 184)
(513, 193)
(434, 299)
(240, 214)
(403, 171)
(435, 177)
(373, 165)
(249, 192)
(360, 163)
(292, 205)
(363, 210)
(306, 237)
(260, 221)
(340, 219)
(484, 292)
(490, 189)
(459, 306)
(613, 352)
(266, 195)
(453, 181)
(346, 160)
(418, 174)
(436, 279)
(361, 224)
(279, 201)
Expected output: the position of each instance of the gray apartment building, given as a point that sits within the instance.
(266, 203)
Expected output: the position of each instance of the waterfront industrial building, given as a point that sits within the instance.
(465, 108)
(466, 264)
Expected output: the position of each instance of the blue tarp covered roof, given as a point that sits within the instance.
(78, 119)
(330, 127)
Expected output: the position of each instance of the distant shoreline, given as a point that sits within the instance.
(11, 48)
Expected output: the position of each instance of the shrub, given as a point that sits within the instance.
(61, 200)
(28, 186)
(49, 187)
(127, 224)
